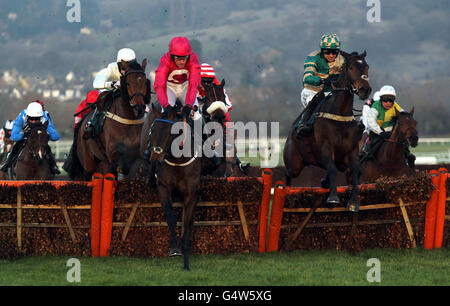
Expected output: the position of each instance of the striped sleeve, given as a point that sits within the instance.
(309, 71)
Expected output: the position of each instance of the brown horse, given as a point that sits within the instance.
(175, 172)
(116, 148)
(389, 160)
(334, 143)
(32, 163)
(7, 147)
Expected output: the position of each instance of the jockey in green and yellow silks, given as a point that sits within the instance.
(321, 68)
(320, 65)
(380, 124)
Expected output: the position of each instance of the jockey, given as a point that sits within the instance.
(178, 77)
(321, 68)
(208, 76)
(33, 114)
(108, 79)
(85, 105)
(379, 124)
(366, 109)
(5, 132)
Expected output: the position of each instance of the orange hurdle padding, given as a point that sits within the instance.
(107, 213)
(440, 209)
(276, 217)
(264, 210)
(96, 213)
(430, 212)
(56, 184)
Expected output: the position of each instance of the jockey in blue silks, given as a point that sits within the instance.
(33, 114)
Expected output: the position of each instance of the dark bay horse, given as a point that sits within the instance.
(389, 160)
(214, 110)
(116, 148)
(175, 173)
(32, 163)
(334, 143)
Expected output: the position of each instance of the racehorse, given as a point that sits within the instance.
(117, 146)
(31, 163)
(334, 143)
(180, 173)
(389, 159)
(7, 147)
(214, 109)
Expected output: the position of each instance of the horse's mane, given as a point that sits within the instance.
(134, 65)
(394, 119)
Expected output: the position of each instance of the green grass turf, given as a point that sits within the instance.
(406, 267)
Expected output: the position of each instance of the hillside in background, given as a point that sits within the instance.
(258, 47)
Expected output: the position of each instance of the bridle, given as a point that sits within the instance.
(136, 94)
(157, 150)
(349, 83)
(30, 149)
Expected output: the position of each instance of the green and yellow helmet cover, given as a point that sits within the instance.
(330, 41)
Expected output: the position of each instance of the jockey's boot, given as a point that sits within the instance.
(93, 125)
(52, 162)
(306, 129)
(244, 168)
(364, 155)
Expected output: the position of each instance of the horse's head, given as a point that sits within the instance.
(160, 134)
(406, 127)
(214, 105)
(135, 87)
(357, 73)
(37, 141)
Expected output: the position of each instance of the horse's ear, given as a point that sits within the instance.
(46, 124)
(364, 54)
(412, 111)
(124, 65)
(396, 111)
(222, 84)
(144, 64)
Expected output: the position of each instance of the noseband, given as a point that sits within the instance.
(157, 150)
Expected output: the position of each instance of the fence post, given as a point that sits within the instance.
(276, 217)
(264, 210)
(107, 213)
(440, 209)
(430, 212)
(96, 213)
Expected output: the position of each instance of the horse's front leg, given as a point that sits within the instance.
(331, 177)
(353, 202)
(171, 218)
(188, 220)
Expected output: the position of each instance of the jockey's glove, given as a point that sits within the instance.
(109, 85)
(187, 109)
(116, 84)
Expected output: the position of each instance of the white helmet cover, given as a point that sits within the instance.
(376, 96)
(34, 109)
(387, 90)
(9, 124)
(126, 55)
